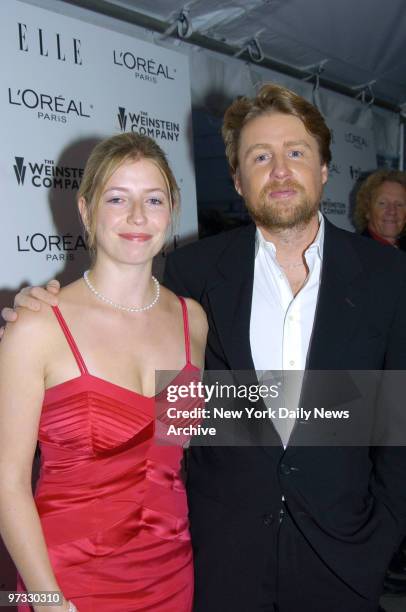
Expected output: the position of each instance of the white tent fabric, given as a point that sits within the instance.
(360, 41)
(363, 42)
(216, 80)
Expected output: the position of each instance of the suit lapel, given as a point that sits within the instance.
(339, 302)
(230, 298)
(338, 312)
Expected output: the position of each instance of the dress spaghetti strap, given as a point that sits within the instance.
(70, 340)
(185, 328)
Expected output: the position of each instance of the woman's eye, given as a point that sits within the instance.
(115, 200)
(155, 201)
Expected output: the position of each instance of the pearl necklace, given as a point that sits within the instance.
(105, 299)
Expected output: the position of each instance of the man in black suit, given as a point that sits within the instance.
(285, 527)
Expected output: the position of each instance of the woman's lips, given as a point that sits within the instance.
(136, 237)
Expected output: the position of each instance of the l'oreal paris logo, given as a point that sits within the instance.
(55, 248)
(359, 142)
(48, 106)
(41, 242)
(145, 69)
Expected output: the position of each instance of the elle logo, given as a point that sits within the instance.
(48, 44)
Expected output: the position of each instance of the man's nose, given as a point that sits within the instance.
(280, 167)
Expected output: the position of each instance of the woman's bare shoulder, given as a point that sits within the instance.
(197, 317)
(196, 314)
(30, 321)
(26, 341)
(37, 325)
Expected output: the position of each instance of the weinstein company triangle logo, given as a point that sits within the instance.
(20, 170)
(122, 118)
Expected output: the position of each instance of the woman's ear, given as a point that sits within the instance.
(83, 212)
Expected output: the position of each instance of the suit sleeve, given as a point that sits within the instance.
(174, 279)
(186, 272)
(390, 461)
(395, 358)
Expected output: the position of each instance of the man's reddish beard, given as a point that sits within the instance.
(281, 214)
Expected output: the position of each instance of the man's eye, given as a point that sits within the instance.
(295, 153)
(262, 157)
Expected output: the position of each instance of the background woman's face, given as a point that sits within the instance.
(387, 211)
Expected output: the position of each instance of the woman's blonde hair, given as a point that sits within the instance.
(104, 160)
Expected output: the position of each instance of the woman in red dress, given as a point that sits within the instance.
(107, 526)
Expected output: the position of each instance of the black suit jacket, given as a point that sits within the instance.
(348, 502)
(401, 241)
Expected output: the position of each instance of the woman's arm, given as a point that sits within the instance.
(22, 363)
(198, 331)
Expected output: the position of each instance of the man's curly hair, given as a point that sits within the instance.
(273, 98)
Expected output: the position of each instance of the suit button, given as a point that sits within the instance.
(285, 469)
(268, 520)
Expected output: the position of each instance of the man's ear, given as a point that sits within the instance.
(83, 212)
(237, 182)
(324, 174)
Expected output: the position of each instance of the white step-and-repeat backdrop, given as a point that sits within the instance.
(64, 85)
(354, 155)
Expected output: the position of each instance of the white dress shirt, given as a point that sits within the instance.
(281, 324)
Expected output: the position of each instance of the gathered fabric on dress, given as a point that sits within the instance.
(111, 499)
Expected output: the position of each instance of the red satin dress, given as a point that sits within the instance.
(111, 500)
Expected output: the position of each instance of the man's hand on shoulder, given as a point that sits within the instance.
(31, 298)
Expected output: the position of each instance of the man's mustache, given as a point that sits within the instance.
(285, 186)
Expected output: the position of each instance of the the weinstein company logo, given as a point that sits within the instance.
(20, 170)
(122, 118)
(141, 122)
(47, 174)
(356, 173)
